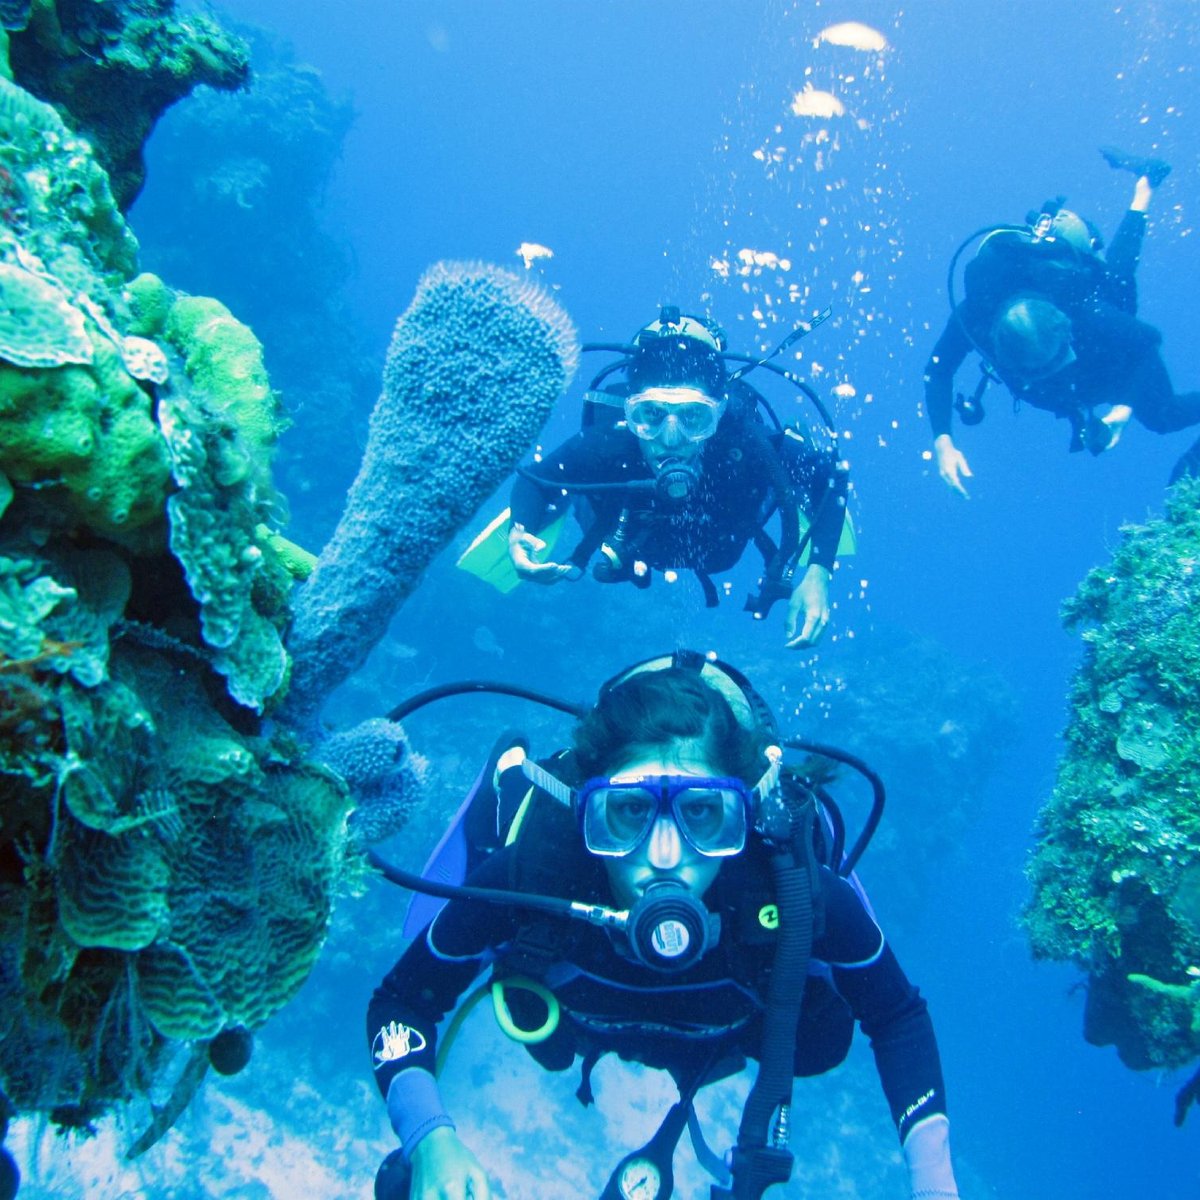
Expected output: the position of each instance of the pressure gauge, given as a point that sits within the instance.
(639, 1180)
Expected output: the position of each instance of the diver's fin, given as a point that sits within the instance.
(847, 542)
(487, 556)
(1155, 169)
(472, 833)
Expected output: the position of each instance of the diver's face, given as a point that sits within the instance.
(670, 447)
(672, 423)
(664, 854)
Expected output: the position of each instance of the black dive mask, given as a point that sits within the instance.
(668, 929)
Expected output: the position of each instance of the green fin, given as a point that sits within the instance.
(847, 543)
(487, 556)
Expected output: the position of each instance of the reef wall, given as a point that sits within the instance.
(169, 846)
(166, 866)
(1116, 872)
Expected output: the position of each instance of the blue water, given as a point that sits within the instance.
(622, 135)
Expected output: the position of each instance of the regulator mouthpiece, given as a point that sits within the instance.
(669, 929)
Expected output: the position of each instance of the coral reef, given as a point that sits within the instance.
(1116, 873)
(474, 365)
(168, 861)
(113, 69)
(167, 868)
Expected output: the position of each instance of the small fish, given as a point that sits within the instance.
(812, 103)
(853, 34)
(485, 641)
(529, 252)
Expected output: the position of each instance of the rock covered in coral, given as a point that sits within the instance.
(474, 366)
(1116, 873)
(241, 177)
(183, 885)
(166, 870)
(113, 69)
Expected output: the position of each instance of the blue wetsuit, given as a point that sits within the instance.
(667, 1021)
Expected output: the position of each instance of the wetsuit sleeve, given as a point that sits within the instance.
(822, 484)
(889, 1009)
(1121, 262)
(948, 355)
(435, 970)
(597, 454)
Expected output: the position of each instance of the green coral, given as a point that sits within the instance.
(39, 326)
(224, 359)
(183, 878)
(90, 432)
(1116, 868)
(166, 869)
(59, 196)
(213, 519)
(149, 301)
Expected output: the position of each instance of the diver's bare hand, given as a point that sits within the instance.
(1116, 419)
(808, 609)
(523, 548)
(952, 466)
(444, 1169)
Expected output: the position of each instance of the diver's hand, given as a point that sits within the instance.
(444, 1169)
(927, 1157)
(808, 609)
(523, 547)
(1116, 419)
(952, 466)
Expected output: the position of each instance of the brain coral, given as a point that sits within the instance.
(1114, 874)
(182, 886)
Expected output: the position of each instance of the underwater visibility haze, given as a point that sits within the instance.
(290, 289)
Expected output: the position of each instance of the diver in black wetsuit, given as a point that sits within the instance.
(703, 476)
(1056, 324)
(668, 807)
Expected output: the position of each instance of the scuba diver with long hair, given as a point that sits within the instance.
(675, 469)
(1055, 323)
(695, 908)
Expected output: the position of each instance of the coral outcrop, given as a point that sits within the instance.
(113, 69)
(167, 867)
(1116, 873)
(168, 860)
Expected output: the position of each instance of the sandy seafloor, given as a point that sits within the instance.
(643, 143)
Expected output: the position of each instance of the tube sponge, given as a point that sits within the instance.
(473, 369)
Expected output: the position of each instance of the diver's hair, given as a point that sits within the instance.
(1030, 334)
(655, 708)
(677, 362)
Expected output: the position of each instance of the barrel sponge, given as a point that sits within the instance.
(474, 367)
(1116, 872)
(383, 775)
